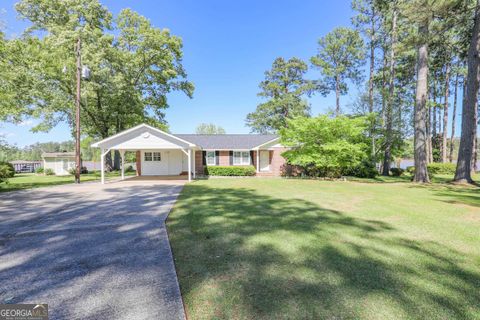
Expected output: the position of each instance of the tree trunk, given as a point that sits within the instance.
(475, 140)
(108, 156)
(108, 162)
(439, 115)
(475, 154)
(116, 155)
(372, 62)
(420, 111)
(445, 112)
(454, 116)
(370, 80)
(467, 139)
(384, 85)
(337, 96)
(116, 160)
(428, 124)
(387, 159)
(434, 107)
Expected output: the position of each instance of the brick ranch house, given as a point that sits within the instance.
(159, 153)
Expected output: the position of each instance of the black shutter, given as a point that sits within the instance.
(231, 157)
(204, 157)
(251, 157)
(217, 157)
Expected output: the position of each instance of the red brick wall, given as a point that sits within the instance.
(199, 162)
(254, 159)
(224, 158)
(277, 161)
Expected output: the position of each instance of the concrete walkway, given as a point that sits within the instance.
(91, 251)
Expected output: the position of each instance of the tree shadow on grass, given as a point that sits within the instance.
(454, 194)
(244, 255)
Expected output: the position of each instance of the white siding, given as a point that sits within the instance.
(170, 163)
(49, 163)
(59, 165)
(174, 162)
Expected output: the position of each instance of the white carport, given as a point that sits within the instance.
(161, 153)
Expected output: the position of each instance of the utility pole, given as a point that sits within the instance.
(77, 112)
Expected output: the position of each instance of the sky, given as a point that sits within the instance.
(228, 45)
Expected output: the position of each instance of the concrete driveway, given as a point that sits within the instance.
(91, 251)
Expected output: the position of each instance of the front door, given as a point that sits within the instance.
(264, 160)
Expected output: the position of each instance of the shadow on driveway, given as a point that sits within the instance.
(90, 252)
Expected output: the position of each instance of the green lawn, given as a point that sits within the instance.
(305, 249)
(31, 180)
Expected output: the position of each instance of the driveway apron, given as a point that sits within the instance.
(91, 251)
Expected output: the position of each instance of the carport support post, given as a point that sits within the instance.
(102, 165)
(122, 154)
(189, 164)
(258, 160)
(194, 165)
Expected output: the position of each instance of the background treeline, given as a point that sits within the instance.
(34, 151)
(413, 62)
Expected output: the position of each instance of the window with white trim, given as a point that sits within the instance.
(210, 156)
(241, 158)
(157, 156)
(148, 156)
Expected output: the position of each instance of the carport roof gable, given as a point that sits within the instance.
(120, 140)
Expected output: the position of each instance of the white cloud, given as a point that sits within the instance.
(26, 123)
(6, 134)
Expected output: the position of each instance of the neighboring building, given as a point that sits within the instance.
(160, 153)
(59, 162)
(25, 165)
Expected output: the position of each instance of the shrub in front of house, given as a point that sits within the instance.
(329, 147)
(290, 170)
(39, 170)
(324, 172)
(396, 172)
(229, 170)
(48, 172)
(436, 168)
(129, 169)
(9, 170)
(364, 170)
(441, 168)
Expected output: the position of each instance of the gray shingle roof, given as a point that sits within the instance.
(58, 154)
(227, 141)
(24, 161)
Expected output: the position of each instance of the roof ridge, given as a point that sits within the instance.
(225, 134)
